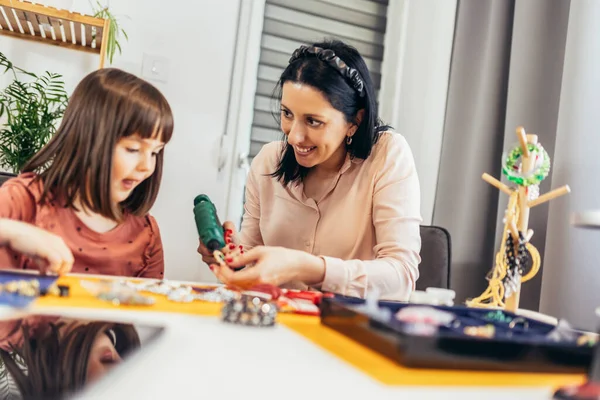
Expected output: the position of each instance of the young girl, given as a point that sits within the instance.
(81, 203)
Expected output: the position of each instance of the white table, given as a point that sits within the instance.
(198, 357)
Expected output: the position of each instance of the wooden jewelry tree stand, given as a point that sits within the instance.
(505, 279)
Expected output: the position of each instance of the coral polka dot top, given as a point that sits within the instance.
(133, 248)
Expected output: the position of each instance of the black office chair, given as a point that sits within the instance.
(436, 257)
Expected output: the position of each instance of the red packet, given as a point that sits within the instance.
(305, 302)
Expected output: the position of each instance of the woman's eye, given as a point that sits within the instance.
(132, 150)
(313, 122)
(286, 113)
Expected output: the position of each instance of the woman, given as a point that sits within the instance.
(335, 206)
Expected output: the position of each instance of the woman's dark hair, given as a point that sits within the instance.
(107, 105)
(321, 70)
(56, 365)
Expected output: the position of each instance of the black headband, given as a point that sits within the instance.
(330, 58)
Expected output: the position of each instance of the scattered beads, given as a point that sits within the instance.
(182, 293)
(587, 339)
(249, 310)
(497, 316)
(31, 288)
(126, 298)
(486, 331)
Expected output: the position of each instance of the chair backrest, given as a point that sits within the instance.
(4, 178)
(436, 257)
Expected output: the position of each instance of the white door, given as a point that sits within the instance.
(190, 45)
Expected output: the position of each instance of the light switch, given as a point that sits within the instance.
(155, 68)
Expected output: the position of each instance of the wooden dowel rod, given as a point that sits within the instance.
(529, 235)
(104, 43)
(523, 140)
(496, 183)
(561, 191)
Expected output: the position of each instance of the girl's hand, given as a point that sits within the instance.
(272, 265)
(48, 250)
(231, 244)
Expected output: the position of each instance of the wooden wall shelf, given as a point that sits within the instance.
(25, 20)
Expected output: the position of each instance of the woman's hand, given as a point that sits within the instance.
(48, 250)
(231, 244)
(272, 265)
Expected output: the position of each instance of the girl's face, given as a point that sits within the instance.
(134, 161)
(103, 357)
(314, 128)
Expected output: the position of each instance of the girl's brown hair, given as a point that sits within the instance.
(56, 365)
(107, 105)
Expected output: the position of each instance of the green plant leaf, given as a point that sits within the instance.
(112, 45)
(32, 108)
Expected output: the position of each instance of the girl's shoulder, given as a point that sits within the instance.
(21, 196)
(143, 223)
(26, 182)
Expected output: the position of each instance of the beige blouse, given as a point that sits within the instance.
(366, 227)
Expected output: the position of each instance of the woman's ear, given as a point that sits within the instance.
(357, 121)
(359, 117)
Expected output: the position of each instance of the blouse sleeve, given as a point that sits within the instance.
(250, 235)
(396, 219)
(155, 264)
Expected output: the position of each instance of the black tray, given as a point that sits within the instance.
(451, 349)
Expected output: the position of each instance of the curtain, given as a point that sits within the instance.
(505, 72)
(571, 281)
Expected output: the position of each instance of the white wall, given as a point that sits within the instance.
(415, 83)
(571, 277)
(198, 39)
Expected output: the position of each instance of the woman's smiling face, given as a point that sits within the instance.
(314, 128)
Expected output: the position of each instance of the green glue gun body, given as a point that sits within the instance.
(208, 225)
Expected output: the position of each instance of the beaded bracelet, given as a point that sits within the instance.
(511, 166)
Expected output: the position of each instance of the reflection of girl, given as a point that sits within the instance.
(52, 358)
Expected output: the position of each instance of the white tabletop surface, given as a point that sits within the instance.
(202, 356)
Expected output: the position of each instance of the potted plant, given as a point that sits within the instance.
(114, 34)
(30, 108)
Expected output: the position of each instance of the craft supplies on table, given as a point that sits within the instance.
(19, 289)
(258, 305)
(427, 336)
